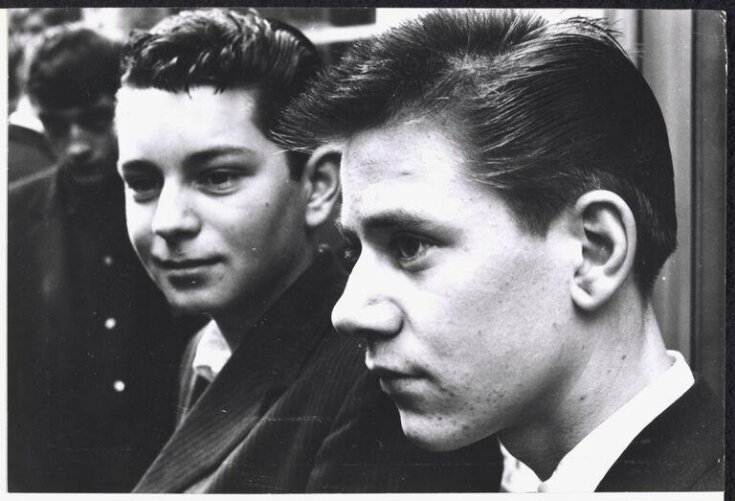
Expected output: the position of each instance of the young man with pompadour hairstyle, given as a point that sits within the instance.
(508, 191)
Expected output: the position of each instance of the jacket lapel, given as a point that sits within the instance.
(676, 449)
(266, 361)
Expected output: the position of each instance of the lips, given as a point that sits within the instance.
(392, 380)
(185, 264)
(384, 373)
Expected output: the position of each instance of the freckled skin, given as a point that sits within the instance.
(479, 319)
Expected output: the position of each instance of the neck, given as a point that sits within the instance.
(235, 322)
(619, 358)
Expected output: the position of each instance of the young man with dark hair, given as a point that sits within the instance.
(225, 222)
(508, 188)
(92, 358)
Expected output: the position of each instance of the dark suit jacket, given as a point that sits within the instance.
(28, 152)
(681, 450)
(293, 410)
(92, 348)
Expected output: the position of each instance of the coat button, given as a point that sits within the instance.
(119, 386)
(107, 260)
(110, 323)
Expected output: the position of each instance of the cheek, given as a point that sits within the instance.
(109, 149)
(482, 322)
(110, 144)
(265, 225)
(237, 227)
(58, 144)
(138, 221)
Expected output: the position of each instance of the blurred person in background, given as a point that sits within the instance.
(28, 150)
(92, 352)
(24, 26)
(225, 222)
(508, 192)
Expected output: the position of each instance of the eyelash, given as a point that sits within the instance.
(395, 248)
(206, 181)
(147, 187)
(142, 193)
(398, 250)
(351, 252)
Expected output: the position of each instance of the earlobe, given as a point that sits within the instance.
(322, 187)
(608, 240)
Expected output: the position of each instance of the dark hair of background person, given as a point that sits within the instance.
(544, 112)
(225, 50)
(32, 21)
(23, 25)
(72, 66)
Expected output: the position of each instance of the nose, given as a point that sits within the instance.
(174, 217)
(364, 308)
(78, 147)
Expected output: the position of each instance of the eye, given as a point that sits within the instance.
(220, 181)
(144, 188)
(54, 126)
(98, 120)
(408, 248)
(351, 253)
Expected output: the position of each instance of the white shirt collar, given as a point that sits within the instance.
(25, 115)
(212, 352)
(584, 467)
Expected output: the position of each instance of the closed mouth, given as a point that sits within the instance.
(184, 264)
(386, 374)
(397, 385)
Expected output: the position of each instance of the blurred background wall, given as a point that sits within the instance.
(682, 56)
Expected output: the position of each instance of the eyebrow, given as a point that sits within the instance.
(86, 110)
(392, 219)
(137, 165)
(196, 158)
(210, 154)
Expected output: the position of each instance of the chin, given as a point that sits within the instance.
(189, 302)
(436, 433)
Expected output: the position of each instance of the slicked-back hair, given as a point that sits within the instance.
(544, 112)
(225, 50)
(71, 66)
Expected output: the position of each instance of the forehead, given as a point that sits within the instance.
(408, 145)
(199, 110)
(102, 103)
(153, 123)
(410, 167)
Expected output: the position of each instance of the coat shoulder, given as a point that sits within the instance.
(681, 450)
(25, 195)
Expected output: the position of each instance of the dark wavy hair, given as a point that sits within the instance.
(71, 65)
(225, 50)
(545, 112)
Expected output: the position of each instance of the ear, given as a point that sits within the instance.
(321, 182)
(608, 240)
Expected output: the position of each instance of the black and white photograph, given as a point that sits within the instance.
(369, 250)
